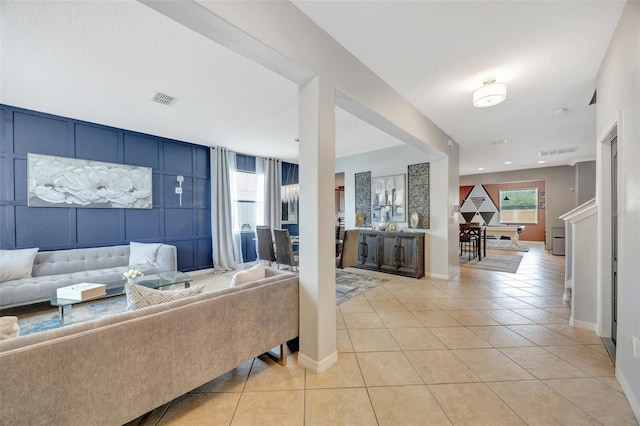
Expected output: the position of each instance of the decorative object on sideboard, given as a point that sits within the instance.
(363, 196)
(418, 195)
(72, 182)
(389, 201)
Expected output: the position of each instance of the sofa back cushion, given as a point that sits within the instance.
(76, 260)
(16, 264)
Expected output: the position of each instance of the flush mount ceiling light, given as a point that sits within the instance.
(490, 94)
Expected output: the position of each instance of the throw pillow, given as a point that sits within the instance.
(142, 253)
(16, 264)
(139, 296)
(9, 327)
(254, 273)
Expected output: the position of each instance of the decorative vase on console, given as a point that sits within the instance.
(382, 225)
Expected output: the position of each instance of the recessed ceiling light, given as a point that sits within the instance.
(541, 161)
(507, 162)
(498, 142)
(560, 111)
(480, 168)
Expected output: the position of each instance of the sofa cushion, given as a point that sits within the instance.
(254, 273)
(142, 253)
(139, 296)
(16, 264)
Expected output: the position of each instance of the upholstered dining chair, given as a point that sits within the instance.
(284, 249)
(349, 254)
(468, 241)
(265, 244)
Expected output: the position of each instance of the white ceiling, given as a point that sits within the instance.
(103, 61)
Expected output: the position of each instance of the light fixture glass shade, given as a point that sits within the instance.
(490, 94)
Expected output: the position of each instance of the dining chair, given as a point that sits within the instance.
(468, 241)
(284, 249)
(349, 254)
(265, 244)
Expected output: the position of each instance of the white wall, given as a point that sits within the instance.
(619, 97)
(393, 161)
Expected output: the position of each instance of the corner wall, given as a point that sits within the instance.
(619, 100)
(188, 227)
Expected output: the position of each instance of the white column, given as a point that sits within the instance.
(317, 219)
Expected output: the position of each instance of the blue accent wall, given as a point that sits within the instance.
(188, 227)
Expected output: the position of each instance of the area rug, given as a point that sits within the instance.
(348, 285)
(493, 262)
(505, 245)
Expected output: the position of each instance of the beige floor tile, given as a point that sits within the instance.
(458, 338)
(406, 405)
(201, 409)
(506, 317)
(510, 303)
(490, 365)
(440, 366)
(543, 364)
(436, 319)
(542, 336)
(343, 342)
(231, 381)
(500, 336)
(454, 304)
(399, 319)
(587, 360)
(378, 293)
(473, 404)
(469, 318)
(419, 305)
(152, 418)
(270, 408)
(357, 304)
(362, 320)
(599, 400)
(268, 375)
(402, 292)
(610, 381)
(584, 337)
(600, 348)
(416, 339)
(387, 305)
(537, 404)
(340, 325)
(369, 340)
(338, 407)
(540, 316)
(387, 369)
(343, 374)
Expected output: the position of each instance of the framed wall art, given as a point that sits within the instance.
(388, 199)
(71, 182)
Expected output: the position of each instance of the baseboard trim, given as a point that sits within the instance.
(628, 393)
(583, 325)
(441, 276)
(201, 272)
(317, 366)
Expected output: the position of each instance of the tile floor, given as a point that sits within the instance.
(486, 348)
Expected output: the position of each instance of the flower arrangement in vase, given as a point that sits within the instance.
(133, 275)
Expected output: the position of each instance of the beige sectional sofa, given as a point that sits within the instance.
(113, 370)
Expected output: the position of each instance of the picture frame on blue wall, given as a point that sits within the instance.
(54, 181)
(289, 212)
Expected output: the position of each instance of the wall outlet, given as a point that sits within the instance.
(636, 346)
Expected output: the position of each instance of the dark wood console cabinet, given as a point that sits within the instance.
(400, 253)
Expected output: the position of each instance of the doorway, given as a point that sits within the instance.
(610, 342)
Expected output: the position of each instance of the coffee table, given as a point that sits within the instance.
(116, 288)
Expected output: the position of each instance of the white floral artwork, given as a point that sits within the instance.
(71, 182)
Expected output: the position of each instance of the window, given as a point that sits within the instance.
(519, 205)
(245, 218)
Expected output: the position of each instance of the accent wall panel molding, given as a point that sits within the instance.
(25, 131)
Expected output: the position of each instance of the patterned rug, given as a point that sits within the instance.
(505, 245)
(493, 262)
(348, 285)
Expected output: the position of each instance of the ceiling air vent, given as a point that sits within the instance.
(556, 151)
(163, 99)
(498, 142)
